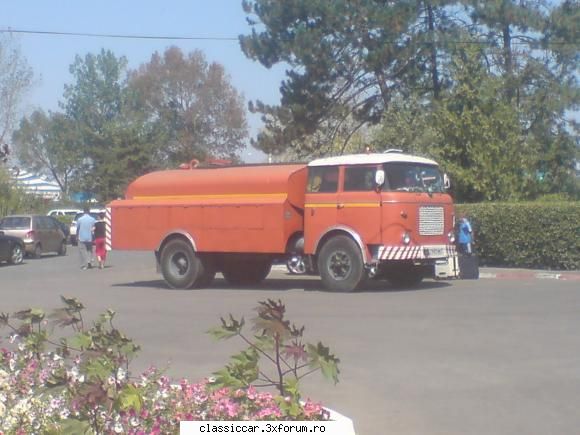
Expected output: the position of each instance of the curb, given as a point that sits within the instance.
(530, 275)
(505, 274)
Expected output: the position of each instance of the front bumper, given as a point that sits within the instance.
(417, 252)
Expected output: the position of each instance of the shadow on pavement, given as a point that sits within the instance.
(277, 284)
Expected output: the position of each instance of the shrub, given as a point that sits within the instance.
(82, 383)
(534, 235)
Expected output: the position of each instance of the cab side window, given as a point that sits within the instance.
(322, 179)
(359, 179)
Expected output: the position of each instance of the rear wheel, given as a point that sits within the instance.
(179, 264)
(296, 265)
(340, 265)
(16, 254)
(246, 271)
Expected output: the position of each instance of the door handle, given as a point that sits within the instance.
(340, 205)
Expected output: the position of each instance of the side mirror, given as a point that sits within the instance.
(446, 182)
(379, 177)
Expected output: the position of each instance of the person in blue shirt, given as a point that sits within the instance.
(465, 236)
(85, 228)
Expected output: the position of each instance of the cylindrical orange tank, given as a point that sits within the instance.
(253, 208)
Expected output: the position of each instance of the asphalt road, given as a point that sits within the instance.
(449, 357)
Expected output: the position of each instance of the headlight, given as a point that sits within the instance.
(451, 236)
(406, 238)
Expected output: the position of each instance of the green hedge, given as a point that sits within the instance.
(543, 235)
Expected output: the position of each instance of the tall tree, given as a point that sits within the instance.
(194, 102)
(49, 144)
(479, 136)
(118, 143)
(347, 58)
(15, 79)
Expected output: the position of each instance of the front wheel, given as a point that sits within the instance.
(341, 265)
(16, 255)
(179, 264)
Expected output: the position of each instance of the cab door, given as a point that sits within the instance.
(359, 203)
(321, 202)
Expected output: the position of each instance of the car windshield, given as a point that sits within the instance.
(15, 222)
(413, 177)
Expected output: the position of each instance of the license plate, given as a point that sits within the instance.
(434, 252)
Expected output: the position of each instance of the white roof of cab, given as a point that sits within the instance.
(370, 159)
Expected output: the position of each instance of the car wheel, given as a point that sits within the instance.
(296, 265)
(341, 265)
(179, 264)
(62, 249)
(16, 254)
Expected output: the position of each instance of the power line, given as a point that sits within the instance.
(118, 35)
(536, 43)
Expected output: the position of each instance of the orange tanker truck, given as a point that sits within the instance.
(346, 218)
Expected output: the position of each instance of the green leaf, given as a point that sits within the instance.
(320, 357)
(81, 341)
(228, 329)
(130, 398)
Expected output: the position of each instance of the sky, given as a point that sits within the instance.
(50, 56)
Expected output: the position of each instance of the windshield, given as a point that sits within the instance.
(15, 222)
(413, 177)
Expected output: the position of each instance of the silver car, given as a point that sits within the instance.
(39, 233)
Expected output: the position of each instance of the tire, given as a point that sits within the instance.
(248, 271)
(296, 265)
(16, 254)
(179, 265)
(62, 249)
(37, 252)
(340, 265)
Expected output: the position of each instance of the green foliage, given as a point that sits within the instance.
(115, 140)
(472, 88)
(278, 342)
(531, 234)
(15, 200)
(49, 144)
(101, 351)
(191, 102)
(16, 78)
(82, 384)
(480, 139)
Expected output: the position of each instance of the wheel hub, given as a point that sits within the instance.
(339, 265)
(179, 263)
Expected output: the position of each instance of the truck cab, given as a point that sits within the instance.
(390, 213)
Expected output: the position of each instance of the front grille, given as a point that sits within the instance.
(431, 221)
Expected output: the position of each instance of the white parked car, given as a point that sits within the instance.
(64, 212)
